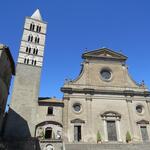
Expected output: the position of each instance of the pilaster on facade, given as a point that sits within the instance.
(105, 130)
(65, 118)
(89, 117)
(129, 100)
(118, 129)
(148, 105)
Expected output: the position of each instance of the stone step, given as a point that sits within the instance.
(144, 146)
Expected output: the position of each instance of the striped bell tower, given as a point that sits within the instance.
(33, 41)
(23, 111)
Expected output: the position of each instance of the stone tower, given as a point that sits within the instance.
(23, 108)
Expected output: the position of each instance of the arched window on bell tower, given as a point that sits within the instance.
(34, 62)
(25, 60)
(30, 38)
(27, 48)
(28, 61)
(36, 52)
(32, 26)
(37, 39)
(38, 28)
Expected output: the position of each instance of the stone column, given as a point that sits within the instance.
(105, 130)
(65, 119)
(118, 129)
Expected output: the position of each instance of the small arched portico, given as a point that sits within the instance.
(111, 123)
(50, 130)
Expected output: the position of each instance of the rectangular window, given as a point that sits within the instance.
(48, 133)
(50, 111)
(144, 133)
(77, 133)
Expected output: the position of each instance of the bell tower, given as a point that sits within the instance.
(33, 41)
(22, 115)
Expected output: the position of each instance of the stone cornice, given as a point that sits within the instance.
(111, 92)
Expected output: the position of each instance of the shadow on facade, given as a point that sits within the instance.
(16, 133)
(28, 144)
(15, 126)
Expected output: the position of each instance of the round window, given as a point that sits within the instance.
(139, 109)
(77, 107)
(105, 74)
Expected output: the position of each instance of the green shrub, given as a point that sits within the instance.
(128, 137)
(99, 138)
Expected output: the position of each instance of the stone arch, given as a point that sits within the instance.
(49, 122)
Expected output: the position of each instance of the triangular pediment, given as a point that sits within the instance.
(104, 53)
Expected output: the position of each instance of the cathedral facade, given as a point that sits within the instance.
(102, 105)
(104, 100)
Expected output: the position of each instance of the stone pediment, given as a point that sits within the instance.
(111, 114)
(143, 122)
(77, 121)
(104, 53)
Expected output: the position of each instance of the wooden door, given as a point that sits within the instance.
(111, 129)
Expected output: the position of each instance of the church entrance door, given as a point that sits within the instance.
(144, 133)
(111, 129)
(77, 133)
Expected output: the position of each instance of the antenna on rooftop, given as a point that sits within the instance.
(120, 51)
(85, 50)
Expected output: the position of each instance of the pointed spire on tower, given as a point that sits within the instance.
(37, 15)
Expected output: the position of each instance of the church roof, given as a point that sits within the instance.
(104, 53)
(37, 15)
(49, 100)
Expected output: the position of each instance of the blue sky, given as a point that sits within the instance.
(74, 25)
